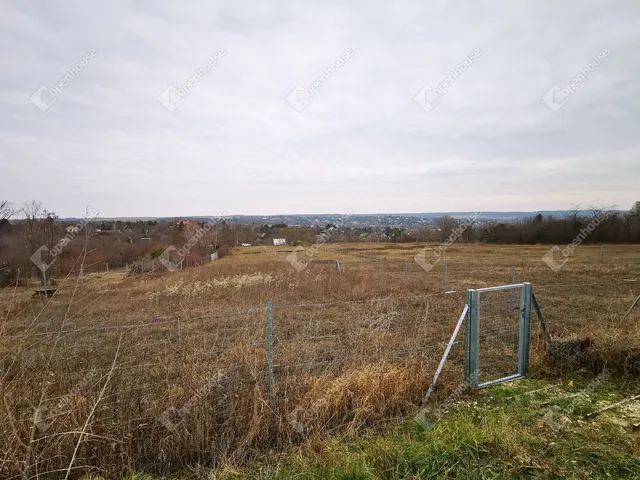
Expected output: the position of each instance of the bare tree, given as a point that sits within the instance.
(38, 228)
(446, 224)
(6, 210)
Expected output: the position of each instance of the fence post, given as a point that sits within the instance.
(380, 266)
(44, 277)
(472, 340)
(446, 276)
(467, 340)
(270, 353)
(82, 274)
(126, 269)
(406, 270)
(525, 328)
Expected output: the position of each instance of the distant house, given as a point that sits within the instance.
(72, 229)
(184, 222)
(279, 241)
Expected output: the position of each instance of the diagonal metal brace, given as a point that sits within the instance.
(543, 324)
(446, 354)
(631, 308)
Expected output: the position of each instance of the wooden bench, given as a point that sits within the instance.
(48, 291)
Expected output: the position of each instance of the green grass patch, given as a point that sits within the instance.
(503, 432)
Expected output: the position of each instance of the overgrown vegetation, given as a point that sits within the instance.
(352, 349)
(503, 432)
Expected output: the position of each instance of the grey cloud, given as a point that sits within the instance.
(363, 143)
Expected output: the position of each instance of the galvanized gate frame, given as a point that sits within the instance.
(472, 334)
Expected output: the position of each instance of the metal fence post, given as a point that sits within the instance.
(525, 328)
(446, 276)
(406, 270)
(44, 277)
(270, 352)
(472, 337)
(467, 339)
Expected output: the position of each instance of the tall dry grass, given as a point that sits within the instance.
(156, 372)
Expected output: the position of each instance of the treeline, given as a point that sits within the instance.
(31, 234)
(598, 227)
(593, 226)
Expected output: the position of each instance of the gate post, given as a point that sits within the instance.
(472, 337)
(525, 328)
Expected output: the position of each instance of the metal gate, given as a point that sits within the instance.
(498, 334)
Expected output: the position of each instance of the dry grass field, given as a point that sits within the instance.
(158, 371)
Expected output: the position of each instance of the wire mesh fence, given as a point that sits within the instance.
(128, 389)
(164, 389)
(499, 339)
(141, 385)
(315, 345)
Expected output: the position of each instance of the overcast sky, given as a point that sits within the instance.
(371, 139)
